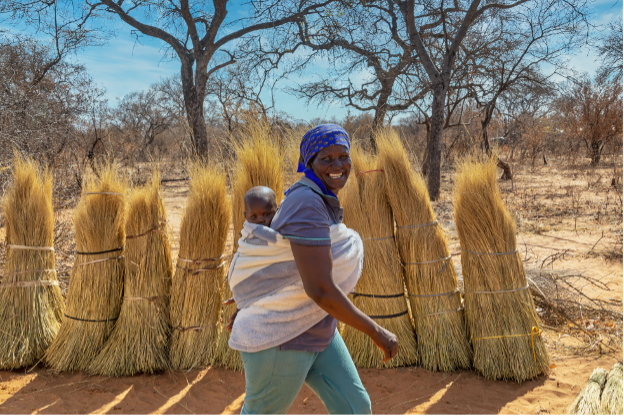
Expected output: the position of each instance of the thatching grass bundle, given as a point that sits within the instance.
(31, 303)
(499, 311)
(430, 277)
(259, 162)
(588, 400)
(96, 280)
(611, 401)
(139, 342)
(380, 292)
(201, 268)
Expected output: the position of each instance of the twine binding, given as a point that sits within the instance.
(380, 238)
(203, 269)
(366, 295)
(151, 230)
(433, 261)
(485, 292)
(436, 294)
(91, 320)
(93, 253)
(98, 261)
(369, 171)
(37, 248)
(191, 328)
(461, 308)
(103, 193)
(202, 260)
(396, 315)
(30, 284)
(534, 331)
(134, 298)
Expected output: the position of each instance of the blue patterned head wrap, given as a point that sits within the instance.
(318, 138)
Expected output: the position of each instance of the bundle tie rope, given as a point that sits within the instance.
(534, 331)
(379, 238)
(91, 320)
(396, 315)
(191, 328)
(483, 292)
(461, 308)
(436, 294)
(103, 193)
(202, 260)
(151, 230)
(98, 261)
(369, 171)
(93, 253)
(37, 248)
(203, 269)
(366, 295)
(418, 225)
(133, 298)
(489, 254)
(30, 284)
(445, 259)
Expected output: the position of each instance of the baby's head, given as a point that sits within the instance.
(260, 205)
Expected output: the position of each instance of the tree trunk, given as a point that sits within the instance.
(380, 114)
(425, 159)
(435, 141)
(595, 151)
(194, 104)
(507, 175)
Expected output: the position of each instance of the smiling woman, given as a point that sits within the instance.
(304, 266)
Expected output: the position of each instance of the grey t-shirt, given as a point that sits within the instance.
(304, 217)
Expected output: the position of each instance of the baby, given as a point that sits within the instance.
(260, 205)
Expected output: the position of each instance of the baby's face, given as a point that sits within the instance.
(260, 211)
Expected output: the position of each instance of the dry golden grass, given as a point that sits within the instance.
(611, 401)
(430, 277)
(96, 281)
(502, 323)
(201, 268)
(380, 290)
(139, 342)
(31, 303)
(259, 162)
(588, 400)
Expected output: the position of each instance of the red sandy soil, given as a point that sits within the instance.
(392, 391)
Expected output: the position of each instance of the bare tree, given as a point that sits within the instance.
(439, 28)
(591, 111)
(610, 49)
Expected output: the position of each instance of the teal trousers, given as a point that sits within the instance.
(274, 378)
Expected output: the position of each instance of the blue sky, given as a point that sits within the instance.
(124, 65)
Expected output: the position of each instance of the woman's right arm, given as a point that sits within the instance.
(315, 267)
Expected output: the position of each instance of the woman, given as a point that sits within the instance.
(318, 356)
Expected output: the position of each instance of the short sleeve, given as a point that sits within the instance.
(303, 218)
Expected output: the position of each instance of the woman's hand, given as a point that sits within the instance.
(231, 319)
(387, 342)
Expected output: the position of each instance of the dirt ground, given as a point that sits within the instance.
(569, 221)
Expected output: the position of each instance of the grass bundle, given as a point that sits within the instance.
(611, 401)
(96, 280)
(259, 162)
(139, 342)
(380, 292)
(31, 303)
(588, 400)
(499, 311)
(430, 277)
(201, 268)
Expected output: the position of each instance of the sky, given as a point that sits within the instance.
(124, 65)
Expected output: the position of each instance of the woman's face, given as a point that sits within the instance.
(332, 166)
